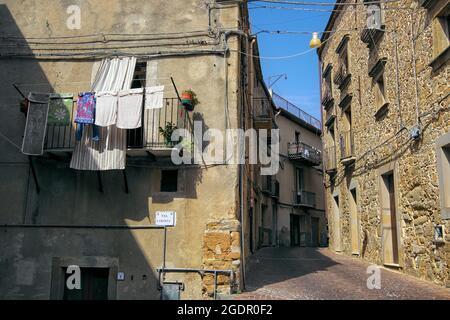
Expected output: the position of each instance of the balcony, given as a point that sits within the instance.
(342, 77)
(60, 138)
(262, 112)
(327, 100)
(308, 119)
(330, 117)
(270, 186)
(304, 199)
(330, 160)
(347, 148)
(371, 36)
(301, 152)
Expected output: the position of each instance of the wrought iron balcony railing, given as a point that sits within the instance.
(304, 199)
(271, 186)
(304, 153)
(62, 137)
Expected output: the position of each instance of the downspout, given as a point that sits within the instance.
(241, 169)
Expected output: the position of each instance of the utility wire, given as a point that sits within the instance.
(305, 3)
(323, 10)
(282, 57)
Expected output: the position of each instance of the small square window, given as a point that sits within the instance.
(169, 180)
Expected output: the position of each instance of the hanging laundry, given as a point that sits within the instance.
(110, 152)
(154, 97)
(81, 127)
(86, 108)
(106, 108)
(60, 109)
(129, 110)
(36, 124)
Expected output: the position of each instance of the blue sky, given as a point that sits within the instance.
(302, 84)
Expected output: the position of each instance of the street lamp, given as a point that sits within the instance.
(315, 41)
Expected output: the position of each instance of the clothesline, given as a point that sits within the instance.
(77, 82)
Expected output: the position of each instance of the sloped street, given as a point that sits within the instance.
(318, 273)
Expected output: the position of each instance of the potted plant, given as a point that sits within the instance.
(189, 99)
(167, 133)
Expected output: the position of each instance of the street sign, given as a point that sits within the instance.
(166, 218)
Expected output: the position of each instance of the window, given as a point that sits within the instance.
(380, 91)
(443, 162)
(300, 180)
(297, 136)
(441, 31)
(438, 12)
(327, 90)
(169, 180)
(343, 68)
(135, 137)
(377, 74)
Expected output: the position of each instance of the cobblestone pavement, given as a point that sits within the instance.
(318, 273)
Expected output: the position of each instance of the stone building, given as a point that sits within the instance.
(386, 133)
(287, 207)
(300, 211)
(104, 221)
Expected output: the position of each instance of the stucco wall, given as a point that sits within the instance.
(208, 195)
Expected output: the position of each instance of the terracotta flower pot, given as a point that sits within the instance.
(187, 99)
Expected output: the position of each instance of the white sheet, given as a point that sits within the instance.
(106, 108)
(154, 97)
(129, 110)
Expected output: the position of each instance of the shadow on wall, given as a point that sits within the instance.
(66, 198)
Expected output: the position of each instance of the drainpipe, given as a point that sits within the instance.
(226, 35)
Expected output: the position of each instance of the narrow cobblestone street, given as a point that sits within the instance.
(318, 273)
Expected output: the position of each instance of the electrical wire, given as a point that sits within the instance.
(283, 57)
(328, 4)
(323, 10)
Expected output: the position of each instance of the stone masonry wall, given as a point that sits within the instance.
(386, 140)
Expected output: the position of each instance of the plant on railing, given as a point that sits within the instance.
(167, 133)
(189, 99)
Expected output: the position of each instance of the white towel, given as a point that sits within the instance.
(106, 108)
(154, 97)
(129, 110)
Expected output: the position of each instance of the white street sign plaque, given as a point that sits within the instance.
(166, 218)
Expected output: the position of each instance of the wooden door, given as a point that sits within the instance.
(354, 221)
(389, 221)
(315, 241)
(295, 230)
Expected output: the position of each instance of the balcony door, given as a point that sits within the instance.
(300, 180)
